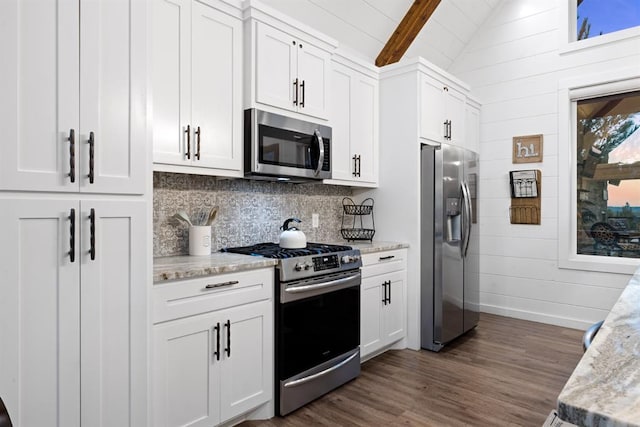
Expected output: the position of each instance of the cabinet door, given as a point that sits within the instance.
(364, 127)
(216, 83)
(171, 79)
(472, 126)
(341, 162)
(371, 333)
(39, 313)
(113, 313)
(246, 377)
(276, 71)
(394, 312)
(39, 91)
(313, 75)
(432, 109)
(185, 379)
(455, 107)
(113, 84)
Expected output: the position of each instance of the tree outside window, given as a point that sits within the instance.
(608, 175)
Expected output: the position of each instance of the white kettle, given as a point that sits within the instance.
(291, 237)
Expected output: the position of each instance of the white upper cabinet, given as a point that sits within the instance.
(73, 88)
(276, 78)
(354, 123)
(291, 73)
(197, 88)
(288, 65)
(442, 111)
(472, 125)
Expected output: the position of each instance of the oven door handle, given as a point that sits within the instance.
(336, 282)
(321, 373)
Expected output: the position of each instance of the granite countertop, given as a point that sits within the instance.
(604, 389)
(375, 246)
(189, 267)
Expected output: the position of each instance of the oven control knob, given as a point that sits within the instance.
(307, 265)
(298, 267)
(347, 259)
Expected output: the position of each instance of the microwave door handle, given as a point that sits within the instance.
(321, 149)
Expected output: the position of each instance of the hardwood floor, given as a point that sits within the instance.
(506, 372)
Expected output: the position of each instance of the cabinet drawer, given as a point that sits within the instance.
(383, 262)
(194, 296)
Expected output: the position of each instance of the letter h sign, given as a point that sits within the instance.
(527, 149)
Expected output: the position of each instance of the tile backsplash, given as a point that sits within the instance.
(248, 211)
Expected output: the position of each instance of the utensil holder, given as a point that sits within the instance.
(200, 240)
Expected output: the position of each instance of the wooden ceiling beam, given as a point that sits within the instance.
(408, 29)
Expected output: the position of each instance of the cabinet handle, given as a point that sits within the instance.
(216, 352)
(355, 165)
(446, 132)
(92, 227)
(383, 258)
(295, 90)
(384, 286)
(72, 235)
(302, 87)
(449, 130)
(219, 285)
(72, 155)
(188, 132)
(389, 287)
(92, 142)
(228, 349)
(359, 164)
(197, 134)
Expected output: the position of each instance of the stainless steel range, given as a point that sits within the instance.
(317, 319)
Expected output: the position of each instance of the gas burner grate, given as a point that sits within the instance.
(273, 250)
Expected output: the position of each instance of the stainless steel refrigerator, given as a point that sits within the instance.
(449, 273)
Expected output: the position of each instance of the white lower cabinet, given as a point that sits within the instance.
(73, 312)
(213, 367)
(383, 305)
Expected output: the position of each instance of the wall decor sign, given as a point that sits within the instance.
(527, 149)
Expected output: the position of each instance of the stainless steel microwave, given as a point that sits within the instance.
(285, 149)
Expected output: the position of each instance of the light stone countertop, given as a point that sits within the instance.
(604, 389)
(375, 246)
(189, 267)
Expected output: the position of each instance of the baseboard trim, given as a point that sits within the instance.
(566, 322)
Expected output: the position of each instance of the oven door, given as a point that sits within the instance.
(315, 328)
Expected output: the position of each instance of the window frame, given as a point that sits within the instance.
(569, 92)
(568, 43)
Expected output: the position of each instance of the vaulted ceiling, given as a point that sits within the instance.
(364, 26)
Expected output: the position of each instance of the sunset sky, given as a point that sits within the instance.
(627, 191)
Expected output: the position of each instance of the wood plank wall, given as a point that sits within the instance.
(514, 67)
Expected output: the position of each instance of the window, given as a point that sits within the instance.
(599, 147)
(594, 23)
(597, 17)
(608, 175)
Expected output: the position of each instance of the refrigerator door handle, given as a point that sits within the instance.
(467, 217)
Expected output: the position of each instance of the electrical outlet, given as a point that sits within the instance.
(315, 220)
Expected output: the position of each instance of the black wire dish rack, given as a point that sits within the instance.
(351, 212)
